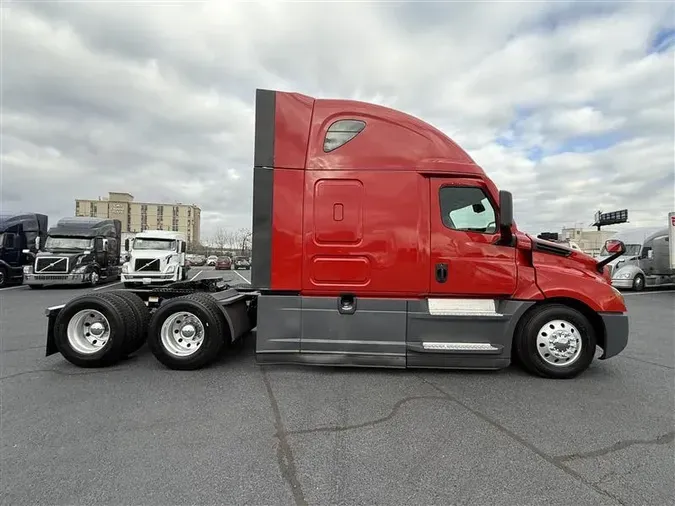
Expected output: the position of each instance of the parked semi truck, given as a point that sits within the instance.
(20, 238)
(155, 257)
(648, 261)
(77, 251)
(377, 241)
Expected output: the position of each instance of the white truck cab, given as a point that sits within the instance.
(646, 262)
(155, 257)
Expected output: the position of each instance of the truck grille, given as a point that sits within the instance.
(147, 265)
(51, 264)
(50, 278)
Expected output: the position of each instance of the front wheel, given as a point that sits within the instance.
(639, 283)
(555, 341)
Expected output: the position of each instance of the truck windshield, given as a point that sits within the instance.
(631, 250)
(160, 244)
(79, 243)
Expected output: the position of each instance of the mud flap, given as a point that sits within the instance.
(51, 313)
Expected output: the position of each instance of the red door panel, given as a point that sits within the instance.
(464, 258)
(365, 232)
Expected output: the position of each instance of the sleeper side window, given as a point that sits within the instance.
(341, 132)
(467, 209)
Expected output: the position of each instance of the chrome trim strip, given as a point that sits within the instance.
(459, 346)
(463, 307)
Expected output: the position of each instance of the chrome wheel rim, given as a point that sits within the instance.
(182, 334)
(94, 277)
(88, 331)
(638, 282)
(559, 343)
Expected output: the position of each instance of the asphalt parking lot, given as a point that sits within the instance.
(237, 433)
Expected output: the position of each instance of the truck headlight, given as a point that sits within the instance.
(623, 275)
(80, 269)
(170, 269)
(27, 269)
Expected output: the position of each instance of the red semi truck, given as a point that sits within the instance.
(377, 241)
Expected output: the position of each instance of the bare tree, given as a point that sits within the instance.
(220, 239)
(242, 238)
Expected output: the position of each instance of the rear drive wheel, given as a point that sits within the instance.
(639, 283)
(188, 332)
(91, 330)
(555, 341)
(141, 315)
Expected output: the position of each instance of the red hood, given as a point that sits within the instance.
(566, 254)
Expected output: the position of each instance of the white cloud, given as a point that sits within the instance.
(562, 103)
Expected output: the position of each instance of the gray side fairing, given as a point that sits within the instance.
(476, 330)
(382, 333)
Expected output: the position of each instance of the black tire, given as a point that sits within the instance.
(134, 338)
(639, 283)
(120, 318)
(205, 308)
(141, 315)
(525, 341)
(3, 278)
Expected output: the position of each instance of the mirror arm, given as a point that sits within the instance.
(601, 264)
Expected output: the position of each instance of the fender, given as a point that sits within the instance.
(592, 290)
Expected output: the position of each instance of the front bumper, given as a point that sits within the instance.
(57, 279)
(616, 333)
(622, 282)
(148, 278)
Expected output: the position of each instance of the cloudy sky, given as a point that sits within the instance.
(569, 105)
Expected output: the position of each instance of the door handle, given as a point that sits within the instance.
(442, 272)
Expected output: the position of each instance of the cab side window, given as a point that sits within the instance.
(467, 209)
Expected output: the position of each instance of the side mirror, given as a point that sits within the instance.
(650, 254)
(505, 210)
(614, 246)
(37, 243)
(104, 244)
(126, 244)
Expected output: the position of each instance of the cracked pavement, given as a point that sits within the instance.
(238, 433)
